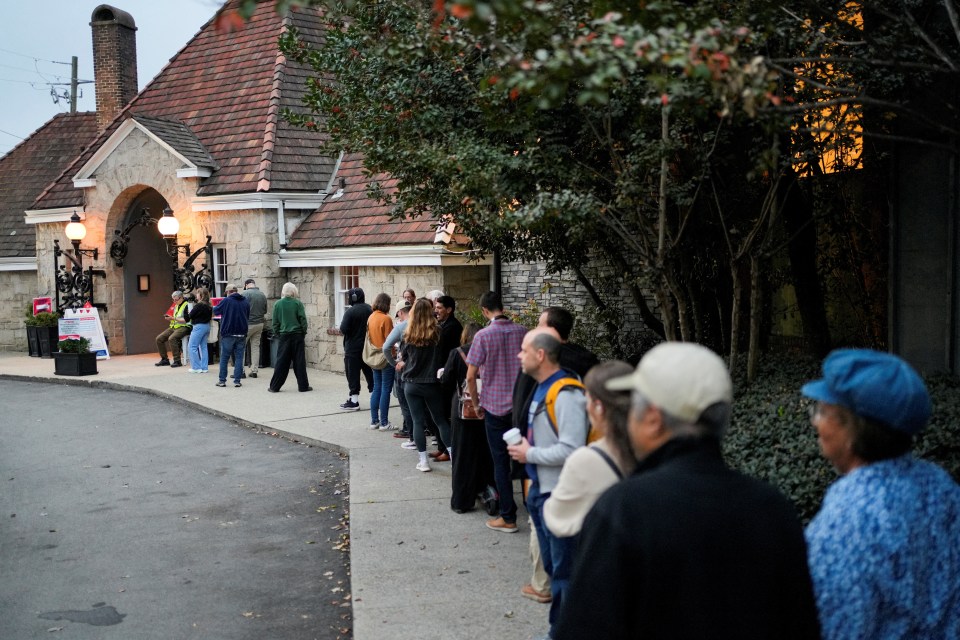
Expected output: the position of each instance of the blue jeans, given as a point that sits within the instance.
(232, 345)
(197, 352)
(380, 397)
(496, 426)
(421, 398)
(557, 553)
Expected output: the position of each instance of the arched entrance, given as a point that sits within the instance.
(146, 256)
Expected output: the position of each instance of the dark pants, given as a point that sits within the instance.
(353, 365)
(424, 398)
(472, 466)
(404, 407)
(557, 553)
(496, 426)
(290, 349)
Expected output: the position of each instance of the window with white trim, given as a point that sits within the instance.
(344, 278)
(220, 276)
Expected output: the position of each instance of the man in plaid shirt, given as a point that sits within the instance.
(493, 358)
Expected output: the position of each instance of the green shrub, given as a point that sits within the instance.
(42, 319)
(771, 438)
(74, 345)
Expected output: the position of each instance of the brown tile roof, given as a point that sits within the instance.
(177, 135)
(228, 90)
(354, 219)
(32, 165)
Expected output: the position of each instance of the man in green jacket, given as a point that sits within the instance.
(289, 327)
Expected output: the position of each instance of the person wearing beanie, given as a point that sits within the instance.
(884, 549)
(687, 547)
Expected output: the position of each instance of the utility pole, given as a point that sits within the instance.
(73, 84)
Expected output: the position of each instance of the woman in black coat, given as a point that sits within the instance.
(472, 464)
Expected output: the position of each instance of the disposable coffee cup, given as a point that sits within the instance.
(512, 436)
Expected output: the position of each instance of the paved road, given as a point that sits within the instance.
(122, 516)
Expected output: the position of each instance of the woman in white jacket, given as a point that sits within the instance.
(591, 470)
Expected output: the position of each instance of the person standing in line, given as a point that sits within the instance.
(418, 365)
(687, 547)
(200, 316)
(410, 296)
(546, 447)
(179, 327)
(472, 475)
(233, 311)
(591, 470)
(379, 326)
(290, 328)
(884, 550)
(493, 357)
(353, 327)
(258, 312)
(391, 347)
(577, 361)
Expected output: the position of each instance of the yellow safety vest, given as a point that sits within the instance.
(181, 310)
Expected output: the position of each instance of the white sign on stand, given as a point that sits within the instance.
(85, 323)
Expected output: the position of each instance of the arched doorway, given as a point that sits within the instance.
(146, 256)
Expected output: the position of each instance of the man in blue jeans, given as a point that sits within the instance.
(233, 312)
(493, 358)
(545, 449)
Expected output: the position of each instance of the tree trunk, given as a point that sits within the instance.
(756, 315)
(801, 227)
(611, 327)
(737, 281)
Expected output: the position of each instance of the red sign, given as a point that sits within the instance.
(214, 302)
(42, 304)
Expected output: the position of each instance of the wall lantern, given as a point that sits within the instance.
(143, 282)
(168, 225)
(75, 284)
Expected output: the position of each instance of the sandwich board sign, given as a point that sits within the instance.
(85, 323)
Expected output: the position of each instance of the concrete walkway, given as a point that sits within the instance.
(419, 571)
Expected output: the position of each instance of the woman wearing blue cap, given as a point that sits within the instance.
(884, 550)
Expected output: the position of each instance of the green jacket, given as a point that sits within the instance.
(289, 316)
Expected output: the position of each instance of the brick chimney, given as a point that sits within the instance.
(114, 61)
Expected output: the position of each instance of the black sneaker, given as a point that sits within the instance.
(163, 363)
(236, 383)
(350, 406)
(243, 375)
(175, 364)
(253, 374)
(221, 384)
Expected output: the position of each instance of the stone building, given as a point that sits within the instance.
(205, 142)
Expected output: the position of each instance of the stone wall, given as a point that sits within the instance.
(19, 289)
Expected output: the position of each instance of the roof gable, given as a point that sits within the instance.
(32, 165)
(228, 90)
(173, 136)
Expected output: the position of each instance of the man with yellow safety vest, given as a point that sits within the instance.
(179, 327)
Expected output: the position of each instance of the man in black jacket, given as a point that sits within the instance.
(353, 327)
(687, 547)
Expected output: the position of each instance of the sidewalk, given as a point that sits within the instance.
(418, 570)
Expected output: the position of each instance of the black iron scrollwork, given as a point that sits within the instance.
(188, 277)
(74, 286)
(119, 248)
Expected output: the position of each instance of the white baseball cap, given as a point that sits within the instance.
(682, 378)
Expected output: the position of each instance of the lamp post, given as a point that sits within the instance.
(75, 284)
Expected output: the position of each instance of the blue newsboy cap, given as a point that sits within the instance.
(874, 385)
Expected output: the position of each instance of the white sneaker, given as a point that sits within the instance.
(387, 427)
(375, 426)
(193, 370)
(410, 445)
(423, 466)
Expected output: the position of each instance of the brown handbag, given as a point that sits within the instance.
(465, 408)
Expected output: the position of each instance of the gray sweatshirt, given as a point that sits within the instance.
(550, 451)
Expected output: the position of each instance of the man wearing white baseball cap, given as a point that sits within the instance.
(687, 547)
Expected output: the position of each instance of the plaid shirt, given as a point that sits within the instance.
(494, 351)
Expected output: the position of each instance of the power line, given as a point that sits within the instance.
(12, 134)
(34, 58)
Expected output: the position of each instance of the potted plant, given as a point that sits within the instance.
(75, 358)
(42, 333)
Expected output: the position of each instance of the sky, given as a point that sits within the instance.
(35, 35)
